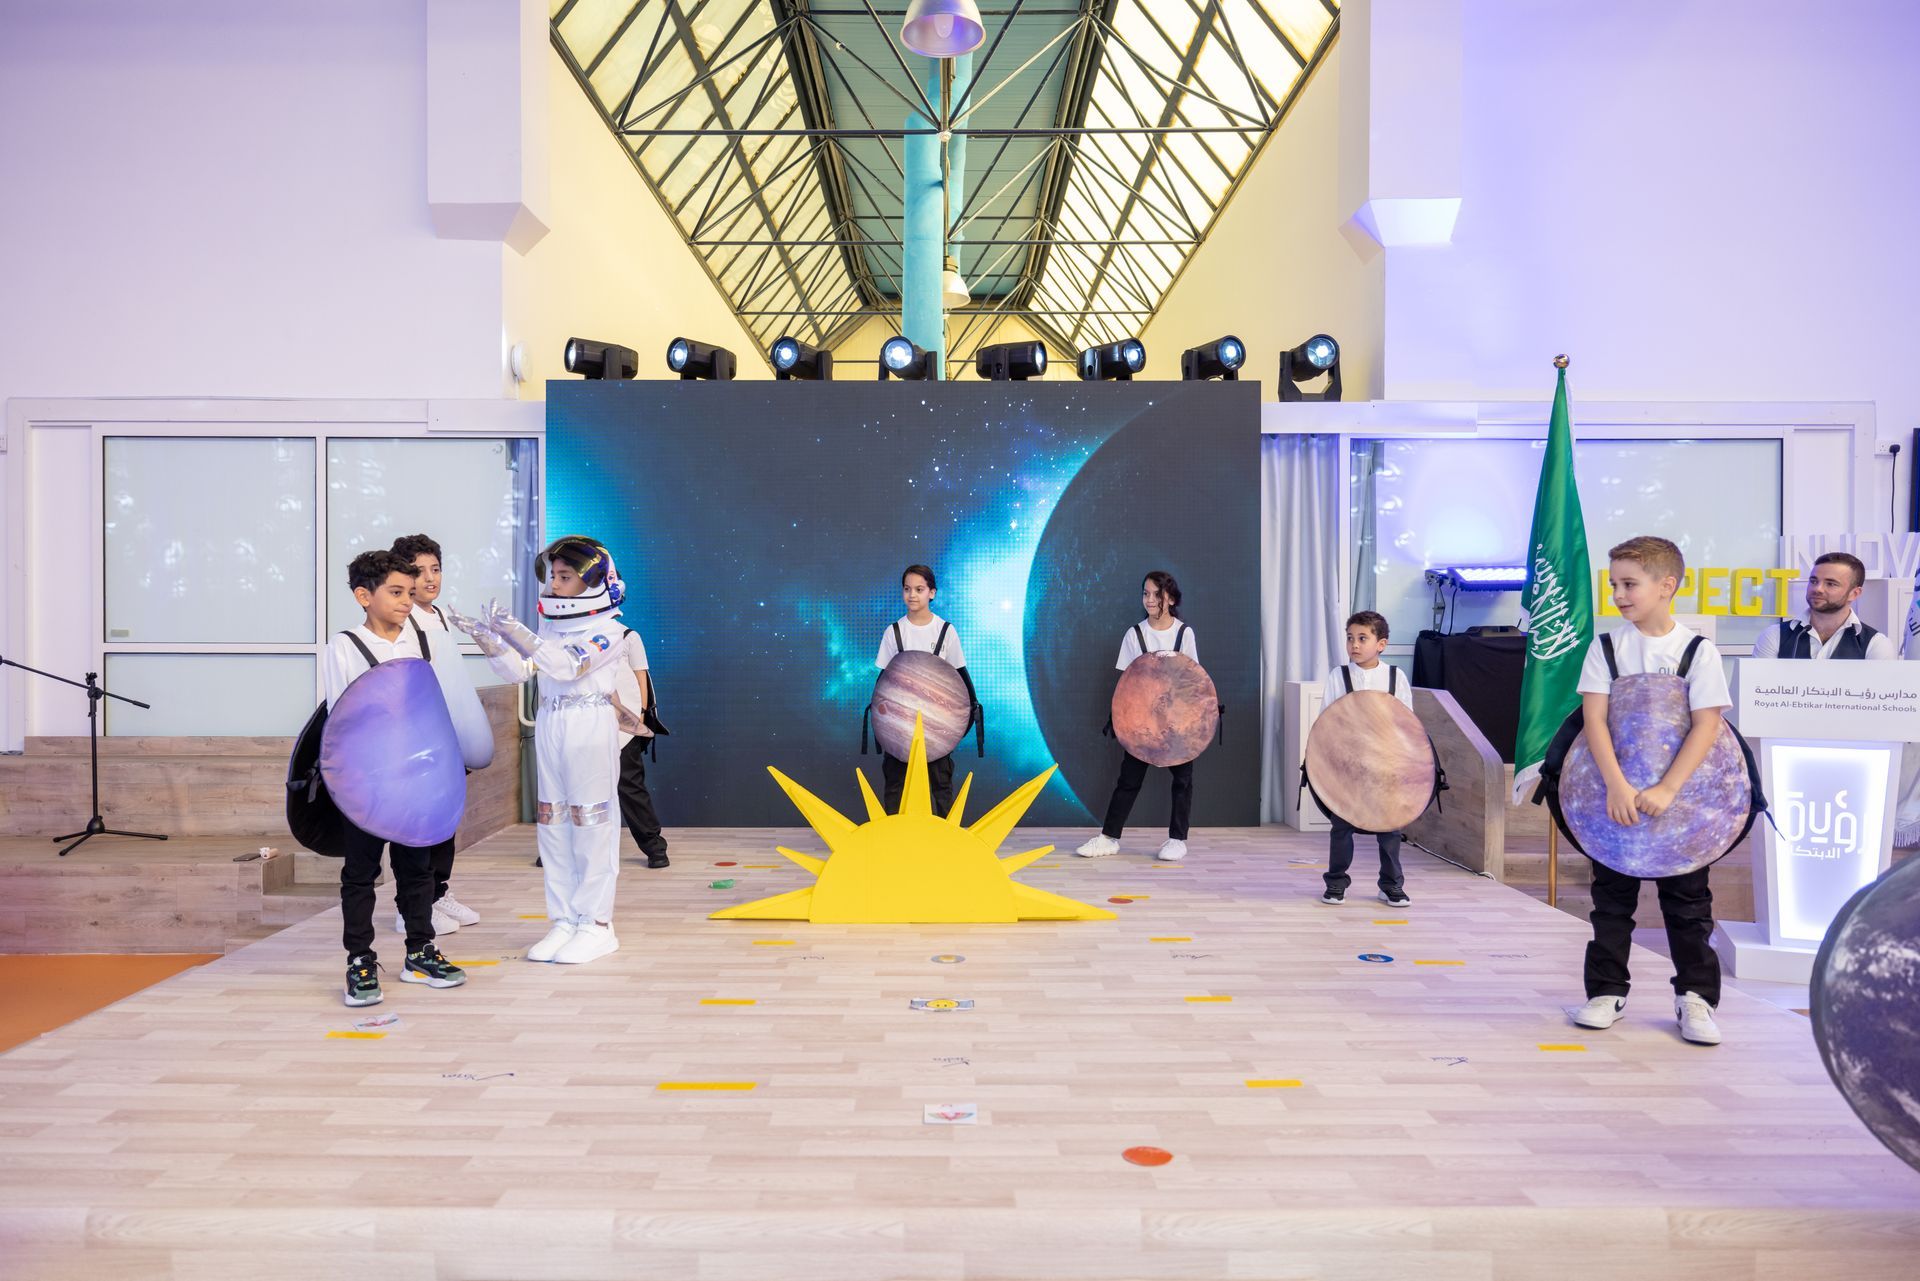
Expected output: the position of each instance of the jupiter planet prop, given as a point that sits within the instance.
(917, 683)
(1649, 717)
(1165, 708)
(1866, 1007)
(391, 758)
(1370, 763)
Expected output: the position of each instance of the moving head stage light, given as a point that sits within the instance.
(1220, 359)
(793, 359)
(591, 358)
(1317, 355)
(1118, 361)
(693, 360)
(901, 358)
(1017, 361)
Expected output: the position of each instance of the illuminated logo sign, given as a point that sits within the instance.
(1830, 805)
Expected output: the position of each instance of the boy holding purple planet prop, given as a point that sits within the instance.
(1646, 572)
(924, 631)
(382, 584)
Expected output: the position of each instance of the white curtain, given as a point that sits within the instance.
(1301, 508)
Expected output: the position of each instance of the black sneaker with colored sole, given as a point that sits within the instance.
(429, 967)
(363, 982)
(657, 860)
(1332, 898)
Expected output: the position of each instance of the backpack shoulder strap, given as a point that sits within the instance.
(940, 641)
(419, 634)
(1140, 639)
(1179, 637)
(899, 643)
(1686, 659)
(1606, 649)
(1346, 676)
(362, 647)
(1393, 680)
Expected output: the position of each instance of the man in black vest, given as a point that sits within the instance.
(1832, 629)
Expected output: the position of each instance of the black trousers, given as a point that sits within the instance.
(1340, 859)
(412, 891)
(440, 859)
(1687, 904)
(939, 779)
(636, 803)
(1133, 772)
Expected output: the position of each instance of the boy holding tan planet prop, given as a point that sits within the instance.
(1360, 749)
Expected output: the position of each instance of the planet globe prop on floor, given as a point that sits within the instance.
(1370, 763)
(1866, 1007)
(390, 757)
(1649, 717)
(916, 683)
(1165, 708)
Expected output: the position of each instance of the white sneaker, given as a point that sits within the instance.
(589, 943)
(443, 923)
(557, 937)
(1099, 847)
(1172, 852)
(1695, 1017)
(457, 910)
(1601, 1012)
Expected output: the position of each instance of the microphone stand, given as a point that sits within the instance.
(96, 824)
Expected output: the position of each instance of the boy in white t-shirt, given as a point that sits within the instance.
(922, 629)
(1366, 641)
(633, 693)
(1646, 572)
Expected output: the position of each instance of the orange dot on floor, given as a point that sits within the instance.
(1148, 1156)
(1119, 900)
(726, 865)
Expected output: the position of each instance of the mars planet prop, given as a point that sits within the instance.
(1165, 708)
(390, 757)
(1866, 1007)
(1649, 717)
(923, 684)
(1370, 763)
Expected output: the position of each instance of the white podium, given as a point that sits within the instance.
(1828, 736)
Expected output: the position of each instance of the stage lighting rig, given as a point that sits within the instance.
(1017, 361)
(693, 360)
(1317, 355)
(902, 358)
(1220, 359)
(793, 359)
(594, 360)
(1116, 361)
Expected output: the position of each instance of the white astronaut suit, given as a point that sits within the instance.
(576, 652)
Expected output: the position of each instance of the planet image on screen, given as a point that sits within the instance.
(916, 683)
(1165, 708)
(1866, 1007)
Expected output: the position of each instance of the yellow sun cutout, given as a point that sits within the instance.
(911, 867)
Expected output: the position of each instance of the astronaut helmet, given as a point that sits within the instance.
(594, 563)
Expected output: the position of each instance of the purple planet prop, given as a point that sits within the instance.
(916, 682)
(1649, 718)
(390, 757)
(1866, 1007)
(1165, 708)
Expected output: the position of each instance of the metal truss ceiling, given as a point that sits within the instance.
(1103, 138)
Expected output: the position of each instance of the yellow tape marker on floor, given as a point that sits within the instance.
(531, 916)
(1439, 962)
(761, 867)
(355, 1036)
(773, 942)
(706, 1085)
(1568, 1049)
(1209, 998)
(1171, 938)
(1272, 1085)
(718, 1001)
(1124, 894)
(1389, 922)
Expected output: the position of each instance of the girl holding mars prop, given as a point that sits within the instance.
(1165, 711)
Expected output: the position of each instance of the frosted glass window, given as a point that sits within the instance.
(254, 695)
(209, 540)
(476, 498)
(1434, 503)
(481, 671)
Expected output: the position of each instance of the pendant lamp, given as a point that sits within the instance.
(942, 28)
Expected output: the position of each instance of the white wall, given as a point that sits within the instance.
(1696, 200)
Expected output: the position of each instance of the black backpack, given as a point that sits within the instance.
(312, 817)
(1551, 766)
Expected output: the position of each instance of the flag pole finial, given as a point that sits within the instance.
(1561, 361)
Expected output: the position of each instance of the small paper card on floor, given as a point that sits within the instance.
(378, 1023)
(953, 1114)
(939, 1004)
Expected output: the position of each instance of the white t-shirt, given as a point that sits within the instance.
(1380, 678)
(626, 684)
(1635, 653)
(1881, 646)
(344, 662)
(1158, 641)
(921, 638)
(429, 617)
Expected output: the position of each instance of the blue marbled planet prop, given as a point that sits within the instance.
(1649, 717)
(390, 757)
(1866, 1007)
(918, 683)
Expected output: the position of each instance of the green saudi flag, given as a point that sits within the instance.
(1558, 600)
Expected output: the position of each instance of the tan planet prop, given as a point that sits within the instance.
(1165, 708)
(1370, 763)
(918, 683)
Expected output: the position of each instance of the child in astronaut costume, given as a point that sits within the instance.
(577, 653)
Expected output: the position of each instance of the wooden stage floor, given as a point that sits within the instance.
(1434, 1116)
